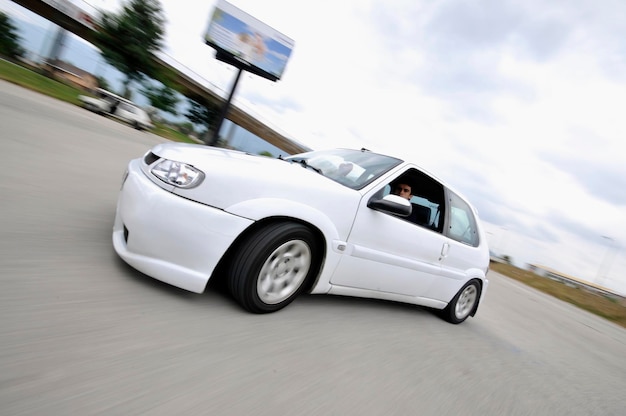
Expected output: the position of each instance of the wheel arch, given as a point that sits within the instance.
(448, 312)
(220, 271)
(481, 277)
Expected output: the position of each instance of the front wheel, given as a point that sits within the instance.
(463, 304)
(272, 266)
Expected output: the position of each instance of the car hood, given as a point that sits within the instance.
(232, 177)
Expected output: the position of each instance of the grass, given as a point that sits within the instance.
(32, 80)
(611, 309)
(37, 82)
(171, 134)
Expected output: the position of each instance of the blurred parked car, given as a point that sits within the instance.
(119, 107)
(324, 222)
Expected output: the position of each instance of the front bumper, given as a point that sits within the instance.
(168, 237)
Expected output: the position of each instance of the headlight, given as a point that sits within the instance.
(178, 174)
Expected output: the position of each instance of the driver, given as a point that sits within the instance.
(402, 189)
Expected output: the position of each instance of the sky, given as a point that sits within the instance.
(515, 103)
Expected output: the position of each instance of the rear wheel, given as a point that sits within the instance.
(271, 268)
(463, 304)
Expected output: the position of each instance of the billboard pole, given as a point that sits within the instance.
(224, 111)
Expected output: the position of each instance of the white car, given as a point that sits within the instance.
(118, 107)
(323, 222)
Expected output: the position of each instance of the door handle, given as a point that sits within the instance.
(444, 250)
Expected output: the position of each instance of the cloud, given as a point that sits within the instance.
(279, 103)
(579, 228)
(601, 179)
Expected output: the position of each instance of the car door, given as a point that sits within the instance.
(388, 253)
(462, 229)
(125, 112)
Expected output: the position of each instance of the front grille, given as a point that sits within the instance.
(150, 158)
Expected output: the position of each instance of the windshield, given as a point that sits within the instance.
(352, 168)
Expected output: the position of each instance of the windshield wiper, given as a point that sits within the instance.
(305, 164)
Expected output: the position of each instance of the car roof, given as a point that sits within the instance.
(117, 97)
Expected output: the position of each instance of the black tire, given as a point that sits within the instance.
(272, 267)
(464, 303)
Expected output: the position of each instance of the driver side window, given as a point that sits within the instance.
(426, 198)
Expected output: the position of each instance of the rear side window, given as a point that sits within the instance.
(462, 226)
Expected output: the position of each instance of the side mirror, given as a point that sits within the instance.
(391, 204)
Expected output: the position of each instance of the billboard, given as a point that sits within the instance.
(246, 42)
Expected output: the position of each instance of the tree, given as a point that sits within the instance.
(163, 98)
(9, 39)
(202, 112)
(128, 40)
(103, 83)
(186, 127)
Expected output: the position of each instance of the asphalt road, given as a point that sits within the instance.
(83, 334)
